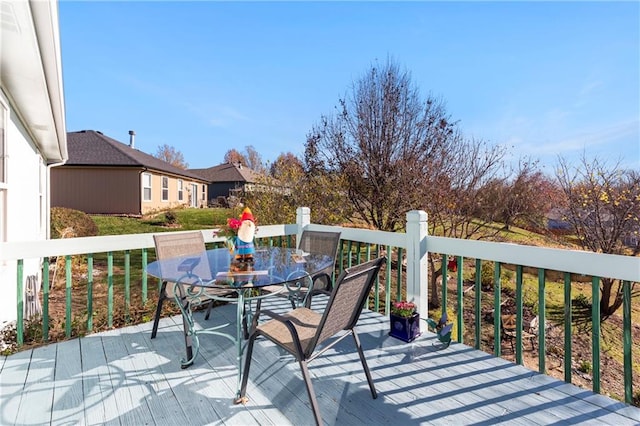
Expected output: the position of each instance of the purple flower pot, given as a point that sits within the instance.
(406, 329)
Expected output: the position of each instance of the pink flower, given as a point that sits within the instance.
(234, 223)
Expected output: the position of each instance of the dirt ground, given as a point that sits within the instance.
(611, 370)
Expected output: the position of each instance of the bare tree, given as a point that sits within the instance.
(172, 156)
(289, 185)
(456, 192)
(524, 198)
(285, 164)
(234, 156)
(254, 159)
(249, 158)
(381, 142)
(604, 211)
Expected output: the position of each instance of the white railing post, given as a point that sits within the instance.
(417, 266)
(303, 218)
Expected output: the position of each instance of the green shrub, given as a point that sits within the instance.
(170, 217)
(486, 274)
(581, 301)
(71, 223)
(585, 367)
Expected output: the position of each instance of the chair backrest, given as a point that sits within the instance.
(321, 242)
(346, 301)
(173, 244)
(176, 244)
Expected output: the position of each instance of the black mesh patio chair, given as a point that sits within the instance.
(171, 245)
(307, 334)
(316, 242)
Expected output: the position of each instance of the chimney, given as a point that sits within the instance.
(132, 137)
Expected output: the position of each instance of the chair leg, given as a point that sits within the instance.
(161, 298)
(312, 395)
(367, 373)
(206, 317)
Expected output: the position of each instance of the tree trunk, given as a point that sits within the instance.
(434, 298)
(607, 306)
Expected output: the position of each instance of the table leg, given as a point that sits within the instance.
(190, 336)
(240, 315)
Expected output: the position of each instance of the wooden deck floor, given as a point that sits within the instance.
(122, 377)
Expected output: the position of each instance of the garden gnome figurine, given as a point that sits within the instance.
(246, 233)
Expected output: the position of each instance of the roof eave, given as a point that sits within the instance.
(31, 73)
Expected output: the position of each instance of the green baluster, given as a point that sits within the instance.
(567, 327)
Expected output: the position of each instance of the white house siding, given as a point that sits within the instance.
(25, 208)
(33, 130)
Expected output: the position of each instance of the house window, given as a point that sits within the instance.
(204, 193)
(180, 187)
(146, 187)
(165, 188)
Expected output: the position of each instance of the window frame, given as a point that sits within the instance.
(145, 187)
(180, 190)
(164, 184)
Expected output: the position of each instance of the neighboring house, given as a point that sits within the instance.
(104, 176)
(32, 135)
(229, 179)
(556, 220)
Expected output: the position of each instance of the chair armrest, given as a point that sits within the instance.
(287, 323)
(313, 292)
(319, 275)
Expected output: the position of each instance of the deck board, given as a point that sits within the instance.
(124, 377)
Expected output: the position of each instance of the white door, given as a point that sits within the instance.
(194, 195)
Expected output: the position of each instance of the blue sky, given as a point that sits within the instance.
(543, 78)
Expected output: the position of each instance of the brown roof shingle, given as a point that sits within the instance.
(228, 172)
(92, 148)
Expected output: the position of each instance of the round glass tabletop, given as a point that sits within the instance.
(217, 267)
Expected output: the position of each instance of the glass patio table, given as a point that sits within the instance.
(194, 274)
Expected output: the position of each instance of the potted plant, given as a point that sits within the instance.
(404, 321)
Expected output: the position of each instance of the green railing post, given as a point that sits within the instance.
(626, 341)
(496, 310)
(20, 304)
(89, 291)
(110, 289)
(127, 285)
(443, 272)
(45, 299)
(144, 275)
(478, 294)
(399, 276)
(568, 327)
(595, 339)
(387, 287)
(519, 314)
(542, 322)
(460, 301)
(68, 286)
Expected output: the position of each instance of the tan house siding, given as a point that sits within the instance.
(105, 176)
(157, 203)
(97, 190)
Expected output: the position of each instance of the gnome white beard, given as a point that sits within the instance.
(247, 231)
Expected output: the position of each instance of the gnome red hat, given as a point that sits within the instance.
(247, 215)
